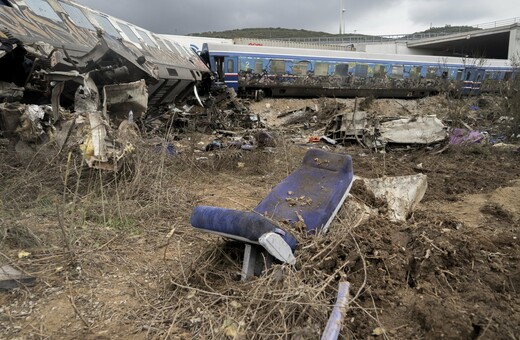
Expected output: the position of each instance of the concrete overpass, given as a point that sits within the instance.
(492, 43)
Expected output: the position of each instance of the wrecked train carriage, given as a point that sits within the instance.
(59, 35)
(60, 55)
(297, 72)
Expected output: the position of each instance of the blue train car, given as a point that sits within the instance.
(294, 72)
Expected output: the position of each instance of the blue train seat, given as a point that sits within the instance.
(310, 197)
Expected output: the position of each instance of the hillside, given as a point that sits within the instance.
(279, 33)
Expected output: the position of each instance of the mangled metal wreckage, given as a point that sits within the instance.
(377, 132)
(90, 74)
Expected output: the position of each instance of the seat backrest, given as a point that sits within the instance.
(314, 191)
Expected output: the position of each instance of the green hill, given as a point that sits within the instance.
(279, 33)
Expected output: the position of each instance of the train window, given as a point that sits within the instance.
(147, 39)
(321, 69)
(231, 66)
(162, 45)
(431, 72)
(107, 26)
(459, 74)
(341, 70)
(172, 46)
(43, 9)
(468, 75)
(300, 68)
(259, 66)
(129, 33)
(379, 71)
(508, 75)
(76, 15)
(415, 72)
(397, 71)
(277, 66)
(361, 70)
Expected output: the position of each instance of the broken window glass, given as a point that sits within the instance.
(321, 69)
(43, 9)
(76, 15)
(397, 71)
(129, 33)
(278, 66)
(107, 26)
(147, 39)
(341, 70)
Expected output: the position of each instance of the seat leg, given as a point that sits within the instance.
(256, 261)
(250, 257)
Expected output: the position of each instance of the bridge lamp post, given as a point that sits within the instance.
(342, 11)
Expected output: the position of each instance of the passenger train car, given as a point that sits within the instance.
(83, 39)
(292, 72)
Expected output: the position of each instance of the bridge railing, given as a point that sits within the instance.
(357, 39)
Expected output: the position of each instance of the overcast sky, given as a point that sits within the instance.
(369, 16)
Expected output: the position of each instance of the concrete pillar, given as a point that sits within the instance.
(514, 43)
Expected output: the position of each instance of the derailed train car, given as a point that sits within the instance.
(68, 70)
(59, 35)
(294, 72)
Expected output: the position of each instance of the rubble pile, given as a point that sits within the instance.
(102, 102)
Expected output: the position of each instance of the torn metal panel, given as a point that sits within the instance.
(120, 99)
(348, 126)
(414, 130)
(100, 151)
(373, 132)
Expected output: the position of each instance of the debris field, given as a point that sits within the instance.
(106, 250)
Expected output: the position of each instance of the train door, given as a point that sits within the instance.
(231, 72)
(218, 62)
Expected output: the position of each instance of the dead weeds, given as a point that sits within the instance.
(136, 269)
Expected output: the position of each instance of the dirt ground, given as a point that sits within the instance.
(115, 257)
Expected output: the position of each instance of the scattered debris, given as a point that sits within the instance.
(338, 313)
(460, 136)
(401, 194)
(374, 132)
(12, 278)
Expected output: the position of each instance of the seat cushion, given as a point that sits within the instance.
(239, 225)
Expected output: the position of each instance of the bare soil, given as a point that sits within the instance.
(131, 266)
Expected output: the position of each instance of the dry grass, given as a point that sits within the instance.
(78, 222)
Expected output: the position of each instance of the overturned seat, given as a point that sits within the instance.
(312, 194)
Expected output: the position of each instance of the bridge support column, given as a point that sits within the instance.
(514, 44)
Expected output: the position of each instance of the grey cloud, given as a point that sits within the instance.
(181, 17)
